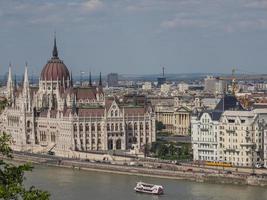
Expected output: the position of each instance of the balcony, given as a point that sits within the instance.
(246, 144)
(204, 129)
(248, 137)
(231, 149)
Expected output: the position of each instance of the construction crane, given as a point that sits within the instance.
(246, 77)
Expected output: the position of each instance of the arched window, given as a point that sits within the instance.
(147, 125)
(108, 127)
(98, 127)
(81, 127)
(130, 140)
(135, 126)
(53, 137)
(141, 126)
(75, 127)
(118, 144)
(93, 127)
(116, 113)
(130, 126)
(86, 127)
(116, 127)
(110, 144)
(28, 124)
(111, 113)
(112, 127)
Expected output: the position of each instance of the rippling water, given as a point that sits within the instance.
(68, 184)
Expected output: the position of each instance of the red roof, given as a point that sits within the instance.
(54, 70)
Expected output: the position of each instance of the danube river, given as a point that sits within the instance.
(68, 184)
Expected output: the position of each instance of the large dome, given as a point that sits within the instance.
(55, 69)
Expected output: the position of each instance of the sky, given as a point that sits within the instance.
(135, 36)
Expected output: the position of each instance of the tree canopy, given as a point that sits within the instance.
(12, 176)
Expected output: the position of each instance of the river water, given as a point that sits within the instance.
(68, 184)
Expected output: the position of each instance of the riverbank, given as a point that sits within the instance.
(175, 173)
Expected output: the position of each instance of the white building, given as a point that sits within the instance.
(214, 86)
(147, 86)
(238, 136)
(165, 88)
(183, 87)
(205, 136)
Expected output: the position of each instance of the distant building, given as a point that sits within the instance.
(165, 88)
(175, 119)
(214, 86)
(112, 79)
(147, 86)
(183, 87)
(162, 79)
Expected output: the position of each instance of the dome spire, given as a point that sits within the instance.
(55, 52)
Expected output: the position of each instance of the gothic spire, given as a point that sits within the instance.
(55, 52)
(26, 77)
(9, 79)
(15, 83)
(71, 80)
(90, 79)
(100, 80)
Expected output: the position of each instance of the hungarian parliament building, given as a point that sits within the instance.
(66, 118)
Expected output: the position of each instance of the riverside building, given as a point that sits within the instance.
(231, 135)
(56, 115)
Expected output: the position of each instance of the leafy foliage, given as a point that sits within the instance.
(12, 177)
(171, 150)
(3, 104)
(159, 126)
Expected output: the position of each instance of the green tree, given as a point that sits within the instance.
(3, 104)
(172, 150)
(163, 151)
(159, 126)
(12, 176)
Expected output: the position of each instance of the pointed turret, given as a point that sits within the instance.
(71, 80)
(74, 109)
(90, 79)
(9, 78)
(15, 83)
(26, 77)
(9, 85)
(100, 80)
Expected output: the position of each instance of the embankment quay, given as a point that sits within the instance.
(152, 169)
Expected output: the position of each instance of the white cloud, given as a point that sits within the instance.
(93, 5)
(258, 4)
(178, 22)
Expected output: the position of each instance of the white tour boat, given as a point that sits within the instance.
(148, 188)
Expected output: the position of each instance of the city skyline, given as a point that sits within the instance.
(136, 37)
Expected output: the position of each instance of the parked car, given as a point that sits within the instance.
(259, 165)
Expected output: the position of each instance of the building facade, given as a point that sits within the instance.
(236, 137)
(175, 119)
(205, 136)
(112, 79)
(56, 115)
